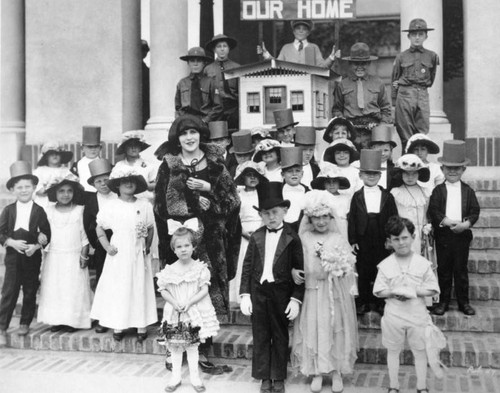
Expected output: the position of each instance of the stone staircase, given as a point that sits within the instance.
(472, 341)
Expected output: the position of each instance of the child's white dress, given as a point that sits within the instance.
(65, 294)
(46, 176)
(183, 285)
(342, 206)
(125, 293)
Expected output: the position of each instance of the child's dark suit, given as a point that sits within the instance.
(21, 270)
(453, 249)
(368, 232)
(269, 300)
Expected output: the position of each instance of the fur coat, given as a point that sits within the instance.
(220, 242)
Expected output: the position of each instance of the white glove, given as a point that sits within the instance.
(246, 305)
(292, 310)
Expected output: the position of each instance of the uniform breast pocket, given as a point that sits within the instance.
(425, 69)
(373, 94)
(408, 69)
(350, 96)
(185, 96)
(205, 94)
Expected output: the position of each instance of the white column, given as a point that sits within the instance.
(12, 82)
(193, 20)
(218, 17)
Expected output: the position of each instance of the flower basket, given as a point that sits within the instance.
(179, 334)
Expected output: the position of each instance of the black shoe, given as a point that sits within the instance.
(362, 309)
(56, 328)
(70, 329)
(266, 386)
(118, 336)
(279, 386)
(142, 336)
(467, 309)
(440, 309)
(100, 329)
(210, 368)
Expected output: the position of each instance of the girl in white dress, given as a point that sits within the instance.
(65, 294)
(249, 178)
(125, 295)
(267, 151)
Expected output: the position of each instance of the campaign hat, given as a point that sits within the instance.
(360, 52)
(417, 24)
(196, 52)
(210, 45)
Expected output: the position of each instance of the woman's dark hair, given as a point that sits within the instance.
(78, 192)
(180, 125)
(396, 224)
(183, 232)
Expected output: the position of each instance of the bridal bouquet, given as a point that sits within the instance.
(336, 260)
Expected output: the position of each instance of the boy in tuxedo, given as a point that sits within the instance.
(382, 140)
(268, 292)
(24, 229)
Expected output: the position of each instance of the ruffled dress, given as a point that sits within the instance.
(342, 206)
(325, 336)
(183, 285)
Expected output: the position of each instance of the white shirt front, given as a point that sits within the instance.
(295, 194)
(383, 177)
(23, 213)
(296, 43)
(271, 244)
(307, 177)
(84, 173)
(373, 196)
(454, 201)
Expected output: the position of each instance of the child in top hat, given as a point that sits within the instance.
(65, 294)
(249, 176)
(242, 148)
(370, 210)
(413, 72)
(91, 148)
(268, 152)
(422, 146)
(268, 292)
(453, 210)
(305, 137)
(342, 153)
(226, 91)
(195, 94)
(300, 50)
(24, 229)
(285, 126)
(293, 189)
(382, 140)
(219, 134)
(362, 98)
(50, 166)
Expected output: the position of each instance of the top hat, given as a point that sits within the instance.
(305, 136)
(249, 167)
(338, 121)
(306, 22)
(418, 25)
(271, 195)
(284, 118)
(196, 52)
(131, 137)
(330, 172)
(242, 142)
(20, 170)
(98, 167)
(382, 134)
(266, 145)
(454, 154)
(370, 160)
(91, 135)
(360, 52)
(116, 178)
(54, 147)
(423, 140)
(291, 156)
(340, 144)
(73, 181)
(218, 129)
(210, 45)
(411, 163)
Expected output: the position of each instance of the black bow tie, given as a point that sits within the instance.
(274, 230)
(416, 49)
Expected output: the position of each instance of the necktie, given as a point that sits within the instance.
(196, 99)
(223, 78)
(274, 230)
(301, 45)
(361, 97)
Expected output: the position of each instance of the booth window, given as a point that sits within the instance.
(297, 100)
(253, 102)
(275, 95)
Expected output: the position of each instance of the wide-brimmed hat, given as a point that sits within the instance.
(73, 181)
(118, 176)
(284, 118)
(91, 135)
(291, 156)
(340, 144)
(261, 132)
(411, 163)
(53, 147)
(417, 24)
(423, 140)
(98, 167)
(382, 133)
(371, 161)
(196, 52)
(249, 167)
(330, 172)
(264, 146)
(305, 136)
(218, 129)
(338, 121)
(360, 52)
(454, 154)
(271, 195)
(20, 170)
(307, 22)
(210, 45)
(132, 137)
(242, 142)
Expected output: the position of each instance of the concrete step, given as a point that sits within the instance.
(484, 261)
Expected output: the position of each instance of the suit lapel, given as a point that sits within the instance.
(362, 199)
(33, 222)
(260, 240)
(463, 192)
(285, 238)
(383, 199)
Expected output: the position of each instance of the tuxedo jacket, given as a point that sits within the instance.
(38, 223)
(357, 219)
(89, 220)
(437, 209)
(288, 255)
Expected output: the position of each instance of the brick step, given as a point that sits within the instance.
(485, 239)
(483, 287)
(489, 218)
(488, 198)
(483, 184)
(235, 342)
(484, 261)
